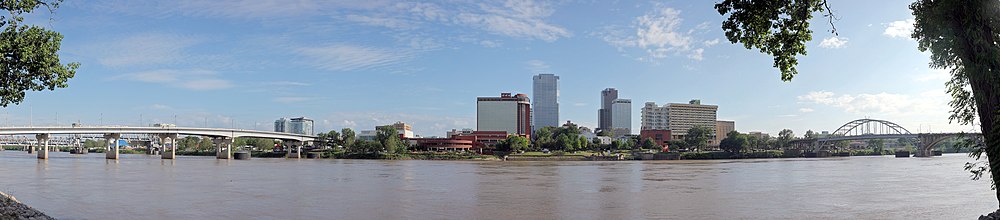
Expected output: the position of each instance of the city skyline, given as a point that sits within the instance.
(363, 64)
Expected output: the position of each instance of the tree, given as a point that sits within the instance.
(30, 53)
(582, 143)
(785, 137)
(810, 134)
(562, 141)
(649, 144)
(877, 145)
(677, 144)
(206, 144)
(389, 138)
(961, 36)
(347, 137)
(513, 143)
(697, 136)
(543, 138)
(735, 142)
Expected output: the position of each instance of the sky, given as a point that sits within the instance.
(364, 63)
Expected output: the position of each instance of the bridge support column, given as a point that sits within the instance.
(168, 151)
(294, 146)
(43, 140)
(111, 149)
(223, 147)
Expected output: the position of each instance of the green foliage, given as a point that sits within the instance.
(582, 143)
(363, 146)
(93, 144)
(810, 134)
(735, 142)
(784, 137)
(347, 137)
(776, 27)
(389, 138)
(30, 53)
(257, 143)
(513, 143)
(649, 144)
(697, 136)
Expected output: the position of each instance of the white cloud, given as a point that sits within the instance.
(880, 103)
(205, 84)
(538, 66)
(833, 42)
(913, 111)
(696, 54)
(393, 23)
(143, 49)
(193, 79)
(656, 33)
(713, 42)
(350, 57)
(516, 18)
(806, 110)
(901, 29)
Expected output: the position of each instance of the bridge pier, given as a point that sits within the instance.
(111, 149)
(168, 152)
(43, 139)
(223, 147)
(297, 146)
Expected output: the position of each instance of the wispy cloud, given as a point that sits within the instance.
(900, 29)
(538, 66)
(143, 49)
(878, 103)
(193, 79)
(658, 33)
(806, 110)
(833, 42)
(351, 57)
(515, 18)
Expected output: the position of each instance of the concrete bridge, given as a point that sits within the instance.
(869, 129)
(222, 138)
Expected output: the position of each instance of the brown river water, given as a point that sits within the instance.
(144, 187)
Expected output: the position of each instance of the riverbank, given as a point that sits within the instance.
(10, 208)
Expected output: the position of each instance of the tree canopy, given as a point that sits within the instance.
(961, 36)
(30, 53)
(697, 136)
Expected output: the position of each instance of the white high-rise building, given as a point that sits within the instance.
(300, 125)
(679, 118)
(545, 101)
(621, 117)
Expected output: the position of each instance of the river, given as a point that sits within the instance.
(145, 187)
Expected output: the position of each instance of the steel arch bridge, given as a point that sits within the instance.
(870, 126)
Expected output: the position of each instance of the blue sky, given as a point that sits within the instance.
(364, 63)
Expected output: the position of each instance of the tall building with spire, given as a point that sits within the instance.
(608, 97)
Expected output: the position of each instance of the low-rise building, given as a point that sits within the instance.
(443, 144)
(722, 128)
(367, 135)
(660, 137)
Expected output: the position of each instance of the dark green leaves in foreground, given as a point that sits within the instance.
(30, 60)
(776, 27)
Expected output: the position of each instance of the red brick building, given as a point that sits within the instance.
(661, 137)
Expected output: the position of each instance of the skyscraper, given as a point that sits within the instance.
(511, 114)
(545, 101)
(608, 97)
(300, 125)
(621, 117)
